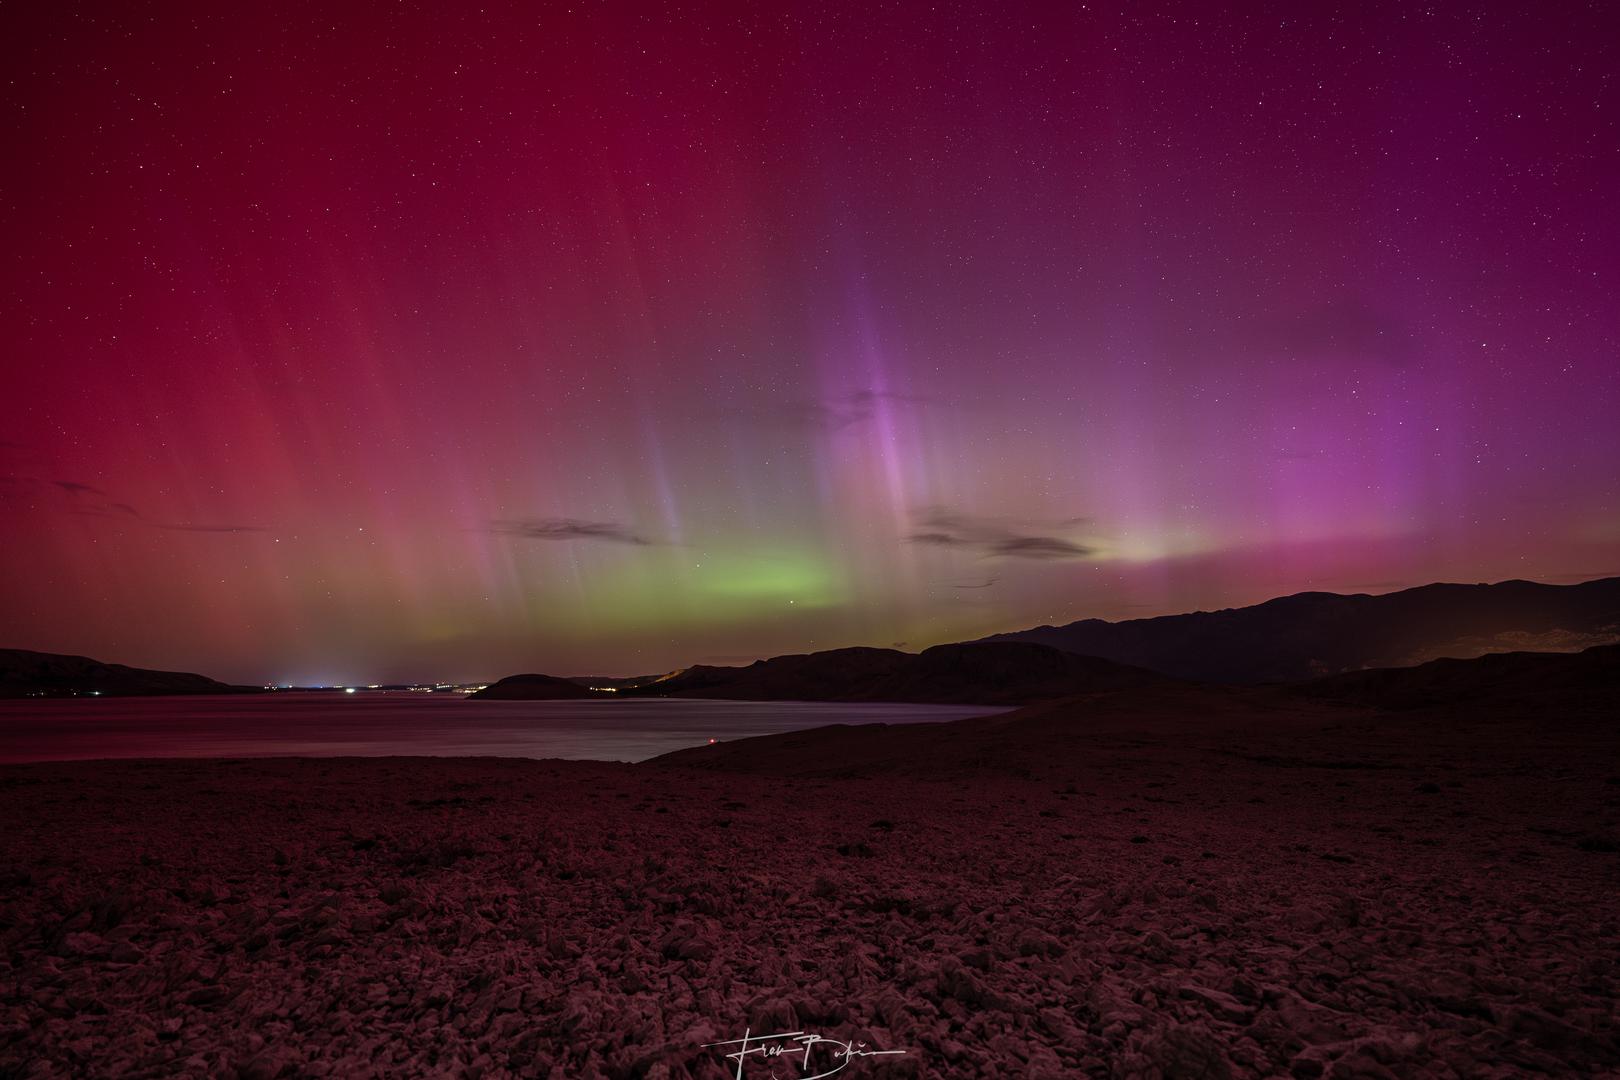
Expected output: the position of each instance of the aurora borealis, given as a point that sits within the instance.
(422, 342)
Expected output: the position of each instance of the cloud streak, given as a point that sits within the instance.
(566, 529)
(998, 538)
(1040, 547)
(73, 487)
(91, 501)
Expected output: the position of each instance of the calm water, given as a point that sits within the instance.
(376, 724)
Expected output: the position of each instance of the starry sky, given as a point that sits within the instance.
(355, 343)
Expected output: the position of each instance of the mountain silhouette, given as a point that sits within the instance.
(1007, 673)
(1485, 705)
(1501, 680)
(1294, 638)
(24, 673)
(533, 688)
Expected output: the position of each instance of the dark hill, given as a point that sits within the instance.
(1072, 732)
(24, 673)
(533, 688)
(833, 675)
(1503, 680)
(1307, 635)
(1009, 673)
(1348, 725)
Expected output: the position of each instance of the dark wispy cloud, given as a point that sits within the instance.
(1041, 547)
(978, 585)
(992, 537)
(91, 501)
(88, 499)
(570, 529)
(939, 539)
(73, 487)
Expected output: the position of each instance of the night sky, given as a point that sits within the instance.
(442, 343)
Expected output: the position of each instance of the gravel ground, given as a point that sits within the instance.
(1208, 898)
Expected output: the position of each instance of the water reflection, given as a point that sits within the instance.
(381, 724)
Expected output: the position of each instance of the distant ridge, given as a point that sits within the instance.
(1291, 639)
(24, 673)
(1308, 635)
(1503, 680)
(1575, 694)
(533, 688)
(1009, 673)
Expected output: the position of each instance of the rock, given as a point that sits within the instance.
(1550, 1033)
(1187, 1052)
(1221, 1005)
(265, 1066)
(1039, 943)
(1309, 1023)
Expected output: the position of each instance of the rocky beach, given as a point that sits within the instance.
(1205, 885)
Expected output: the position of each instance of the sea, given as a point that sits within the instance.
(382, 723)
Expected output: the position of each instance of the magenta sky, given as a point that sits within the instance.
(608, 337)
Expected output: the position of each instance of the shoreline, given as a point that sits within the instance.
(413, 725)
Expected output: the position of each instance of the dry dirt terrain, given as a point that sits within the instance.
(1110, 887)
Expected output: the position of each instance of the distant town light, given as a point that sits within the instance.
(348, 689)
